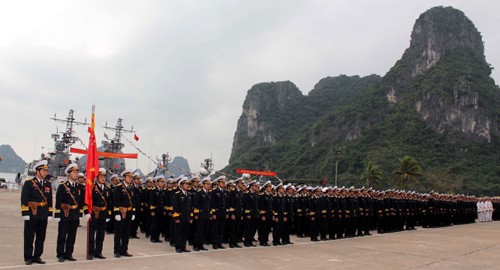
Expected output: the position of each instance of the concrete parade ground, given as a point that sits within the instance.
(473, 246)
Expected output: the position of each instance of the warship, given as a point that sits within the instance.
(60, 156)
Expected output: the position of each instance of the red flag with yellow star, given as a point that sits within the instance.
(92, 163)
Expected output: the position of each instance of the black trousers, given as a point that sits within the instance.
(234, 230)
(66, 236)
(192, 232)
(278, 231)
(122, 234)
(287, 229)
(315, 228)
(249, 225)
(157, 225)
(202, 230)
(181, 231)
(34, 228)
(218, 226)
(97, 232)
(264, 230)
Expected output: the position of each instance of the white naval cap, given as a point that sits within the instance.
(159, 177)
(182, 180)
(136, 174)
(268, 182)
(222, 177)
(126, 172)
(102, 171)
(71, 167)
(206, 178)
(83, 175)
(42, 164)
(246, 175)
(253, 182)
(113, 176)
(178, 178)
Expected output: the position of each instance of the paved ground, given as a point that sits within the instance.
(474, 246)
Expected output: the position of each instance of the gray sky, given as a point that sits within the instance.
(178, 71)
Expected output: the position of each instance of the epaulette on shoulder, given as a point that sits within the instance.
(199, 190)
(48, 180)
(210, 190)
(178, 192)
(119, 184)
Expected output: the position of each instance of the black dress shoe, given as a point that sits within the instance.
(196, 249)
(99, 256)
(178, 250)
(135, 237)
(315, 240)
(186, 250)
(215, 247)
(60, 259)
(247, 245)
(203, 248)
(38, 260)
(70, 258)
(90, 257)
(237, 246)
(117, 255)
(231, 246)
(126, 254)
(28, 262)
(221, 247)
(264, 244)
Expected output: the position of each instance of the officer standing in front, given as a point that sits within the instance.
(69, 201)
(36, 208)
(124, 214)
(99, 215)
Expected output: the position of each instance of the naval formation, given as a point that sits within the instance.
(202, 212)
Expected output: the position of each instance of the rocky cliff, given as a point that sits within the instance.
(438, 104)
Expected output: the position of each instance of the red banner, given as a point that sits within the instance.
(263, 173)
(92, 164)
(105, 154)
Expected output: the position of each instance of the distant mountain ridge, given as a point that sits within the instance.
(11, 162)
(437, 104)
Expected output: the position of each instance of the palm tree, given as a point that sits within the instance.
(409, 170)
(372, 174)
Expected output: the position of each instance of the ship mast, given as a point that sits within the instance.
(59, 157)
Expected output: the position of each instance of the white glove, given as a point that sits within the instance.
(26, 217)
(118, 218)
(50, 218)
(133, 217)
(107, 219)
(57, 219)
(87, 216)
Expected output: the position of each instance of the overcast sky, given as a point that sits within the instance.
(178, 71)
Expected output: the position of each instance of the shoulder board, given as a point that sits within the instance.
(47, 180)
(210, 190)
(178, 192)
(199, 190)
(119, 184)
